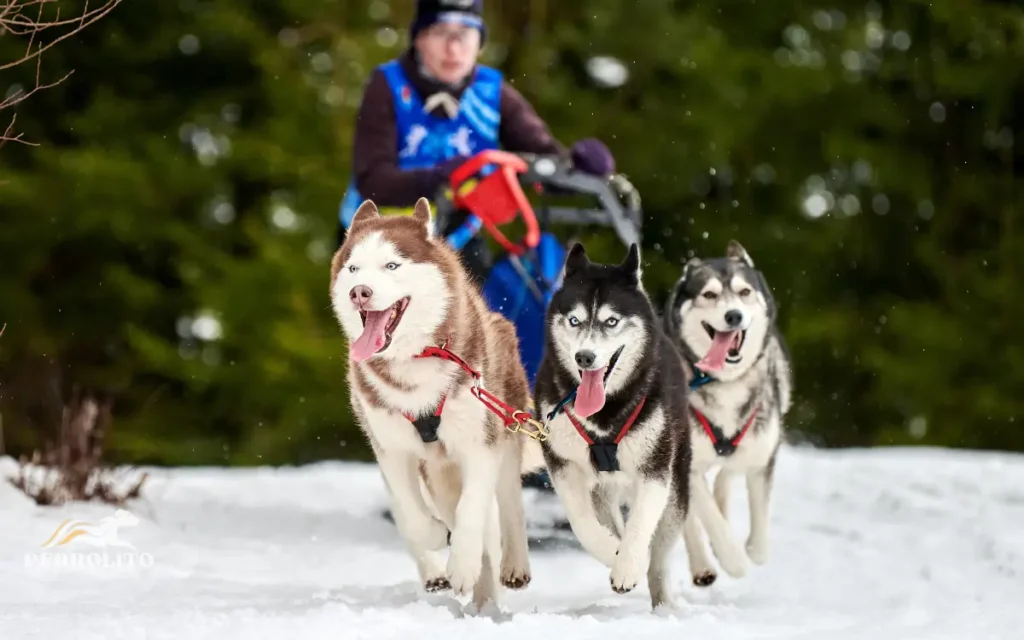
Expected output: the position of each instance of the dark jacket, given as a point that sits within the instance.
(375, 145)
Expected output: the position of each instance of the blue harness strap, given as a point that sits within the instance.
(560, 407)
(700, 378)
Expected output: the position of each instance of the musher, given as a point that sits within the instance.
(428, 111)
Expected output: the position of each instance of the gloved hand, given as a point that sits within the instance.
(590, 155)
(444, 170)
(437, 176)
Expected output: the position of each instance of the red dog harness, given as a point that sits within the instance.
(723, 446)
(513, 419)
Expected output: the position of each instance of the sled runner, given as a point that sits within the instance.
(486, 194)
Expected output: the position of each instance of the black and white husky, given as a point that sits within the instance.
(722, 314)
(613, 391)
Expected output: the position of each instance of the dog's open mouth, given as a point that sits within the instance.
(378, 329)
(590, 395)
(725, 348)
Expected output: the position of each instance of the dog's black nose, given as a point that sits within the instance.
(360, 294)
(585, 359)
(733, 318)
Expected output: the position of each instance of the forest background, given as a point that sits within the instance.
(167, 215)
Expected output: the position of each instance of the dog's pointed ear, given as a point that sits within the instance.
(422, 213)
(769, 299)
(576, 259)
(631, 264)
(689, 269)
(669, 314)
(632, 261)
(735, 251)
(678, 292)
(366, 211)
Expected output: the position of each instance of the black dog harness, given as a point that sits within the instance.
(427, 426)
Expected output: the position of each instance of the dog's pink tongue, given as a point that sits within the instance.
(714, 359)
(590, 394)
(372, 338)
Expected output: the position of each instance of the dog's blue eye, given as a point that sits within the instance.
(352, 268)
(611, 322)
(391, 266)
(573, 321)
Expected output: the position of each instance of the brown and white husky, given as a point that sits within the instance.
(400, 296)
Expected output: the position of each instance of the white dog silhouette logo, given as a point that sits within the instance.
(103, 534)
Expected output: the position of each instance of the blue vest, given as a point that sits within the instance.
(427, 141)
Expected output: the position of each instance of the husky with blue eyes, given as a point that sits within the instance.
(613, 391)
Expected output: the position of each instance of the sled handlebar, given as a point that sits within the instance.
(498, 198)
(618, 201)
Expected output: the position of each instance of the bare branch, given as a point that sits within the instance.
(42, 29)
(73, 469)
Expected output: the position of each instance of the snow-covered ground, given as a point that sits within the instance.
(877, 544)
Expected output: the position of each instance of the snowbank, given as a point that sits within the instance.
(879, 544)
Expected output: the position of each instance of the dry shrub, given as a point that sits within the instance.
(73, 469)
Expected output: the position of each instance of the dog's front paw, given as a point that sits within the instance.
(757, 549)
(661, 595)
(515, 565)
(515, 577)
(435, 585)
(664, 603)
(464, 570)
(626, 572)
(705, 578)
